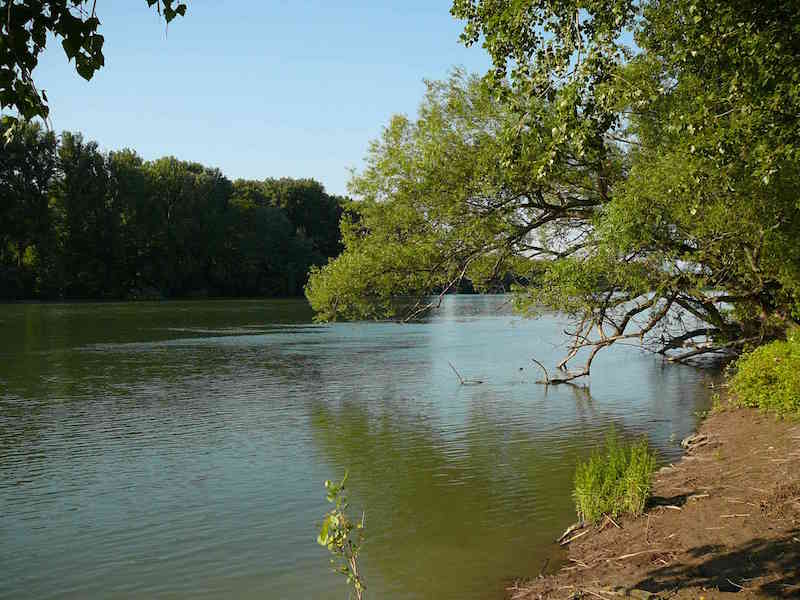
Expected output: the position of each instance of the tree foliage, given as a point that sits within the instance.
(76, 222)
(647, 189)
(24, 29)
(27, 171)
(766, 378)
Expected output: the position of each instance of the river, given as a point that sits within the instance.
(178, 449)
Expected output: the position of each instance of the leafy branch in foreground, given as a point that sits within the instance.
(25, 26)
(342, 537)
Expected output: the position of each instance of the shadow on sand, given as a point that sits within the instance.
(778, 561)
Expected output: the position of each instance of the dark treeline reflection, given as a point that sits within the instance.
(79, 223)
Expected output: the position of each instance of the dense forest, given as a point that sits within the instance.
(78, 223)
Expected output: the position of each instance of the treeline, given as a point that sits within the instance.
(78, 223)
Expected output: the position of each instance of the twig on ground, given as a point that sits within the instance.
(613, 521)
(575, 568)
(697, 496)
(570, 529)
(579, 563)
(575, 537)
(632, 554)
(737, 501)
(593, 591)
(735, 584)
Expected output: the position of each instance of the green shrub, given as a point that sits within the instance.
(769, 377)
(615, 480)
(342, 537)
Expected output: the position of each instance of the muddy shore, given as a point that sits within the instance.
(723, 522)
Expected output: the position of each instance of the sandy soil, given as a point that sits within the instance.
(724, 522)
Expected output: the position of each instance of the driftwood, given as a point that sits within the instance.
(570, 529)
(613, 522)
(605, 592)
(632, 554)
(574, 537)
(694, 441)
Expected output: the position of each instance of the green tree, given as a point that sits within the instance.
(434, 207)
(314, 213)
(262, 254)
(658, 181)
(192, 200)
(27, 244)
(92, 262)
(140, 220)
(76, 222)
(24, 29)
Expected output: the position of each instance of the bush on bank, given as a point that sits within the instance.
(615, 480)
(769, 377)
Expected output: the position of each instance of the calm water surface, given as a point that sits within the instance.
(178, 450)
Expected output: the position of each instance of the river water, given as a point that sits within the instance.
(178, 450)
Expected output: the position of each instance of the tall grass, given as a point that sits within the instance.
(769, 377)
(615, 480)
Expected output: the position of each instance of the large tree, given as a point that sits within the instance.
(653, 184)
(314, 213)
(27, 244)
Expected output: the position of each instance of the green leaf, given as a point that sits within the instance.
(84, 67)
(72, 46)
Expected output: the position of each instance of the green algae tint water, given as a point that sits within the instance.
(178, 450)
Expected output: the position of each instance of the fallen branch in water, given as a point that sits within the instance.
(556, 380)
(463, 381)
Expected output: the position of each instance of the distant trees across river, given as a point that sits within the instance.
(78, 223)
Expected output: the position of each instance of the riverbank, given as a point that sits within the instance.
(723, 522)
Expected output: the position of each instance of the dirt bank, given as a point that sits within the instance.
(724, 522)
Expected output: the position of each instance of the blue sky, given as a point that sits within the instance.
(258, 89)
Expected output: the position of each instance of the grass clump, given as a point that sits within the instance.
(769, 377)
(615, 480)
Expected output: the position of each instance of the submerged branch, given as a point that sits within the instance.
(557, 380)
(463, 381)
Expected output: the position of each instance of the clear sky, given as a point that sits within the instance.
(257, 88)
